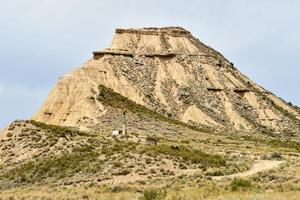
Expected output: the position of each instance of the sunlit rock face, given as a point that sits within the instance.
(171, 72)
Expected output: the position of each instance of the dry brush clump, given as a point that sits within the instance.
(187, 155)
(153, 194)
(239, 184)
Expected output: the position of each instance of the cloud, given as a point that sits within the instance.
(1, 89)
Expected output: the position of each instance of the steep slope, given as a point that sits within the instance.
(173, 73)
(36, 153)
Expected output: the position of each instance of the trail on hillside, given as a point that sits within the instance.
(258, 166)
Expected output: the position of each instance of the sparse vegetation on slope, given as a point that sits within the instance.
(192, 155)
(81, 160)
(110, 98)
(55, 132)
(276, 142)
(100, 158)
(93, 160)
(59, 131)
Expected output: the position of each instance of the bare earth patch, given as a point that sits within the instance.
(259, 166)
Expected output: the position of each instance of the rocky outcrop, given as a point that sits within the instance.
(171, 72)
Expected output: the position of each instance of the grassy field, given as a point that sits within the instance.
(134, 193)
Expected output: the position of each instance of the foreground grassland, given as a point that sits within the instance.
(98, 166)
(134, 193)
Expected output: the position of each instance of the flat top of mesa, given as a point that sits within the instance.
(162, 41)
(155, 30)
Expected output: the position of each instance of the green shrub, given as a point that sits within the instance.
(276, 156)
(148, 160)
(152, 139)
(117, 164)
(239, 184)
(216, 172)
(185, 141)
(116, 188)
(153, 194)
(124, 172)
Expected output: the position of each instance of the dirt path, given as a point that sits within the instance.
(259, 166)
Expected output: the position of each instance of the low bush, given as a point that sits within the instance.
(276, 156)
(152, 139)
(153, 194)
(123, 172)
(239, 184)
(185, 141)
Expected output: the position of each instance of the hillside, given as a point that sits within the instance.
(170, 72)
(196, 128)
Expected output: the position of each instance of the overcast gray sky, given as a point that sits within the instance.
(41, 40)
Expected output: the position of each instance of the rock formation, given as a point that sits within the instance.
(171, 72)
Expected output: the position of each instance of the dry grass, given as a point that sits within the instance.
(66, 193)
(97, 172)
(188, 193)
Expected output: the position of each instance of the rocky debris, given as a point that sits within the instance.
(171, 31)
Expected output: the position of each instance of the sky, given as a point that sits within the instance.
(41, 40)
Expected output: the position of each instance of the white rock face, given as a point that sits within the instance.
(173, 73)
(71, 99)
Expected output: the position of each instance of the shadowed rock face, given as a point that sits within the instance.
(173, 73)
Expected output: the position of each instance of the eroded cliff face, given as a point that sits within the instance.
(173, 73)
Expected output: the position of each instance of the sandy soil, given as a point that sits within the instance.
(259, 166)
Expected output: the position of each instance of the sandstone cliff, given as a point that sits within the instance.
(171, 72)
